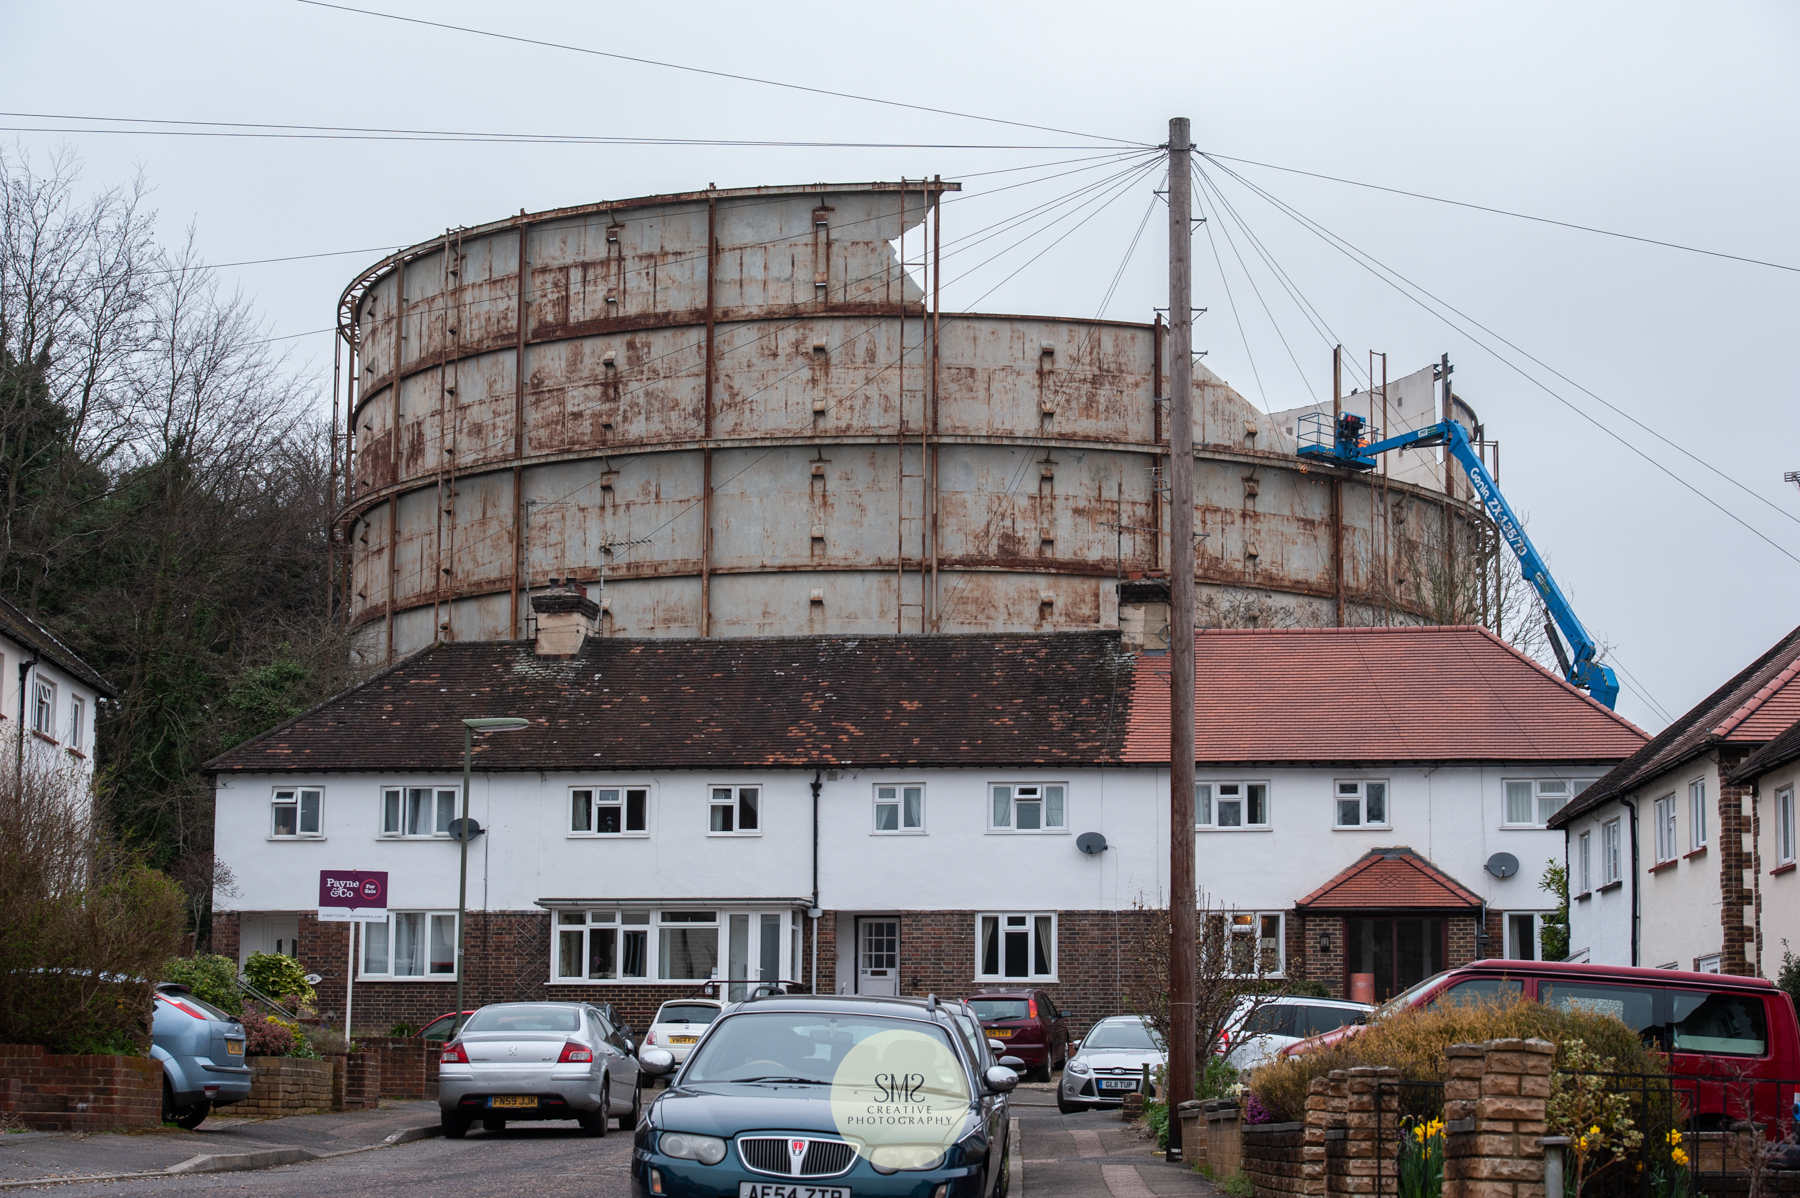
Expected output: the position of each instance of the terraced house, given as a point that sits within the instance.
(905, 813)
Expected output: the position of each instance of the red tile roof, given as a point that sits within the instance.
(1756, 706)
(1395, 879)
(1373, 694)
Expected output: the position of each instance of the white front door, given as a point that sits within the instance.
(878, 956)
(753, 951)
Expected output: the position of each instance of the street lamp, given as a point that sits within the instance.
(504, 723)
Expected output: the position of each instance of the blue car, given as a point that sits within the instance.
(202, 1053)
(804, 1096)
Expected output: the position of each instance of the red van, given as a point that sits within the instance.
(1727, 1033)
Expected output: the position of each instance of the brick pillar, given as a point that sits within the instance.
(1737, 934)
(1312, 1144)
(1372, 1125)
(1494, 1103)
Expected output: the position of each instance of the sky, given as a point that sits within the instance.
(1665, 516)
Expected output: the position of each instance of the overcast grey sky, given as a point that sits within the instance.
(1666, 121)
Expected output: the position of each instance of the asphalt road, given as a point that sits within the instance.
(547, 1160)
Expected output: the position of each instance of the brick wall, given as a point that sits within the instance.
(48, 1092)
(287, 1086)
(1494, 1102)
(1306, 960)
(226, 930)
(1273, 1157)
(405, 1065)
(1737, 935)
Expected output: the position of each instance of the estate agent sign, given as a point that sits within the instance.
(353, 895)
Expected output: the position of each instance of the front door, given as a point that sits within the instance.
(753, 952)
(878, 956)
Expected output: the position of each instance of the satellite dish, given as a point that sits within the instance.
(1503, 865)
(313, 979)
(468, 829)
(1091, 843)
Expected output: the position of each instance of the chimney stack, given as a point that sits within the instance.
(565, 619)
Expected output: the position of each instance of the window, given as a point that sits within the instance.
(1784, 825)
(899, 808)
(1029, 809)
(1584, 863)
(608, 811)
(1697, 814)
(1362, 805)
(602, 945)
(77, 722)
(1530, 804)
(296, 812)
(1610, 864)
(1222, 805)
(736, 811)
(1707, 964)
(1255, 943)
(1522, 935)
(687, 945)
(411, 944)
(43, 711)
(1015, 945)
(1664, 821)
(417, 810)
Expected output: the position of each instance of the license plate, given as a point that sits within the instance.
(1000, 1033)
(1119, 1084)
(514, 1101)
(234, 1048)
(682, 1039)
(789, 1189)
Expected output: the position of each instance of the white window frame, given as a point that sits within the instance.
(1612, 864)
(1666, 826)
(1561, 791)
(596, 802)
(1585, 859)
(295, 797)
(1509, 944)
(1032, 927)
(1342, 792)
(1217, 798)
(1045, 796)
(1697, 821)
(1784, 826)
(388, 937)
(1253, 925)
(77, 723)
(680, 920)
(906, 801)
(623, 924)
(43, 709)
(403, 807)
(1709, 964)
(731, 798)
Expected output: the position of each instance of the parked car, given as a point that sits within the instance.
(1261, 1027)
(679, 1023)
(1029, 1024)
(202, 1053)
(440, 1029)
(538, 1060)
(1109, 1063)
(751, 1110)
(1726, 1033)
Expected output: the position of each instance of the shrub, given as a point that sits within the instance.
(1413, 1041)
(278, 976)
(210, 977)
(1789, 977)
(329, 1042)
(267, 1037)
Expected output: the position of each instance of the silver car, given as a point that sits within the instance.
(538, 1060)
(1261, 1027)
(201, 1049)
(1109, 1064)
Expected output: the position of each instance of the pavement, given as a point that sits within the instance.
(220, 1143)
(1092, 1154)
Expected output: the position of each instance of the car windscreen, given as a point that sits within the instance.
(990, 1009)
(698, 1012)
(809, 1046)
(525, 1017)
(1121, 1033)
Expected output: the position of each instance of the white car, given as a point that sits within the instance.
(1281, 1020)
(1109, 1063)
(679, 1024)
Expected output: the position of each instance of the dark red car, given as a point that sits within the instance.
(1030, 1026)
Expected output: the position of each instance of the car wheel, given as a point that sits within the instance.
(629, 1120)
(455, 1126)
(1004, 1186)
(593, 1123)
(168, 1103)
(191, 1117)
(1064, 1106)
(1038, 1073)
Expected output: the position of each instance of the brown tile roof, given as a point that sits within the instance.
(695, 704)
(1374, 694)
(1755, 706)
(1772, 756)
(27, 631)
(1395, 879)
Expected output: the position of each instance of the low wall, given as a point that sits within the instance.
(408, 1064)
(1274, 1157)
(49, 1092)
(286, 1086)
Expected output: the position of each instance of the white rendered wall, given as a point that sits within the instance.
(63, 752)
(1600, 924)
(1780, 891)
(1679, 913)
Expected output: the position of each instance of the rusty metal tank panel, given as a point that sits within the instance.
(735, 413)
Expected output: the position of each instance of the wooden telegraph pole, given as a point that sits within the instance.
(1183, 917)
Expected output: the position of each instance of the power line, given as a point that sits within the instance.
(676, 66)
(1542, 220)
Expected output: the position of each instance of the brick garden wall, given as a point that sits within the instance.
(48, 1092)
(1274, 1157)
(286, 1086)
(226, 930)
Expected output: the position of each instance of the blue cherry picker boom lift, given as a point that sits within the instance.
(1347, 444)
